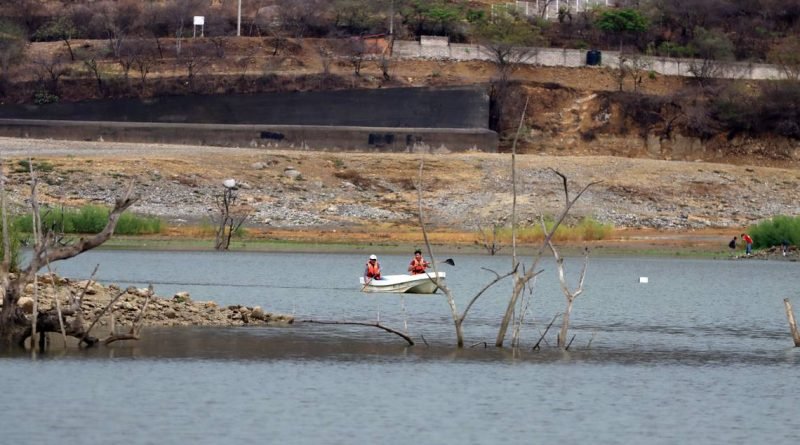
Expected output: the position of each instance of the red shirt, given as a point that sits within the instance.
(747, 239)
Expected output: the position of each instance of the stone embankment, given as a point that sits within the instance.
(97, 300)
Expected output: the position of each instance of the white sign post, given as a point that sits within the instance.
(200, 21)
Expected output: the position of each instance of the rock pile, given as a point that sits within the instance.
(126, 305)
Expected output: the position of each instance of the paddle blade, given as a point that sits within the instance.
(449, 261)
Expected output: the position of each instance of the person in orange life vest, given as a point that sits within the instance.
(373, 268)
(748, 243)
(418, 264)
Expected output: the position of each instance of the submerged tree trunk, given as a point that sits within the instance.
(15, 327)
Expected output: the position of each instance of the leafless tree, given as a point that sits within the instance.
(15, 326)
(522, 278)
(355, 53)
(195, 58)
(458, 318)
(302, 17)
(91, 60)
(154, 22)
(385, 63)
(217, 29)
(570, 295)
(325, 58)
(180, 13)
(632, 66)
(230, 216)
(143, 58)
(49, 69)
(489, 238)
(117, 19)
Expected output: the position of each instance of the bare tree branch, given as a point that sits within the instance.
(357, 323)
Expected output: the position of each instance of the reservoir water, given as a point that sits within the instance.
(699, 354)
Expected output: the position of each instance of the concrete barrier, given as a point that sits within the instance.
(299, 137)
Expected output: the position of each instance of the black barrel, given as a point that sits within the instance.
(594, 57)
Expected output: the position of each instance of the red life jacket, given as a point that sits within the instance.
(373, 270)
(417, 266)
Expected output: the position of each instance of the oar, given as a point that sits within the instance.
(449, 261)
(367, 283)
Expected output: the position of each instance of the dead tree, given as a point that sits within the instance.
(489, 239)
(523, 278)
(230, 217)
(458, 319)
(570, 295)
(15, 326)
(792, 323)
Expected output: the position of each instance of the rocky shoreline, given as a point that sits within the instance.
(125, 306)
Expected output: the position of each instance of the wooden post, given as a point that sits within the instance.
(792, 324)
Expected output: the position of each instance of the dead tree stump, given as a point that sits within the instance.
(792, 323)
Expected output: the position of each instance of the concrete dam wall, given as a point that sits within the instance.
(397, 119)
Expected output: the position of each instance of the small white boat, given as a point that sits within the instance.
(413, 284)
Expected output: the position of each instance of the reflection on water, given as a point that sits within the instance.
(700, 354)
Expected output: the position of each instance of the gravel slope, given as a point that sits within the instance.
(295, 189)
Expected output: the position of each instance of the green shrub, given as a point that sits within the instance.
(773, 231)
(91, 219)
(24, 166)
(15, 240)
(42, 97)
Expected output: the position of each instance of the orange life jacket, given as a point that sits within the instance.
(373, 270)
(417, 266)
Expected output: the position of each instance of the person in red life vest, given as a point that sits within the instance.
(418, 264)
(373, 269)
(748, 243)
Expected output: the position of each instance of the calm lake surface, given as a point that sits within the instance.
(700, 354)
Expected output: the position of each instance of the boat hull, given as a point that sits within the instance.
(401, 284)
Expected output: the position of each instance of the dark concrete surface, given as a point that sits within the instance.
(392, 120)
(393, 107)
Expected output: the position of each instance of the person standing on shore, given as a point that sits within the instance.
(732, 245)
(748, 244)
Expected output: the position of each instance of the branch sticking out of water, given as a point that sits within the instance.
(357, 323)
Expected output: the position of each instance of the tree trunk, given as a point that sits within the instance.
(792, 323)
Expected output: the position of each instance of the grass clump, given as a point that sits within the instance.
(587, 229)
(15, 241)
(92, 219)
(773, 231)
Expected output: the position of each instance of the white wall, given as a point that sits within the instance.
(437, 48)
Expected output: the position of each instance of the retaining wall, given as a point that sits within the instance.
(299, 137)
(398, 120)
(577, 58)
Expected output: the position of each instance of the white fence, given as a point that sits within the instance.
(549, 8)
(438, 48)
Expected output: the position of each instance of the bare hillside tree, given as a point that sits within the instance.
(15, 326)
(230, 216)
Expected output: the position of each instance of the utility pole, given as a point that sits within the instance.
(391, 18)
(239, 20)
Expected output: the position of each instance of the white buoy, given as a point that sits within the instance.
(643, 279)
